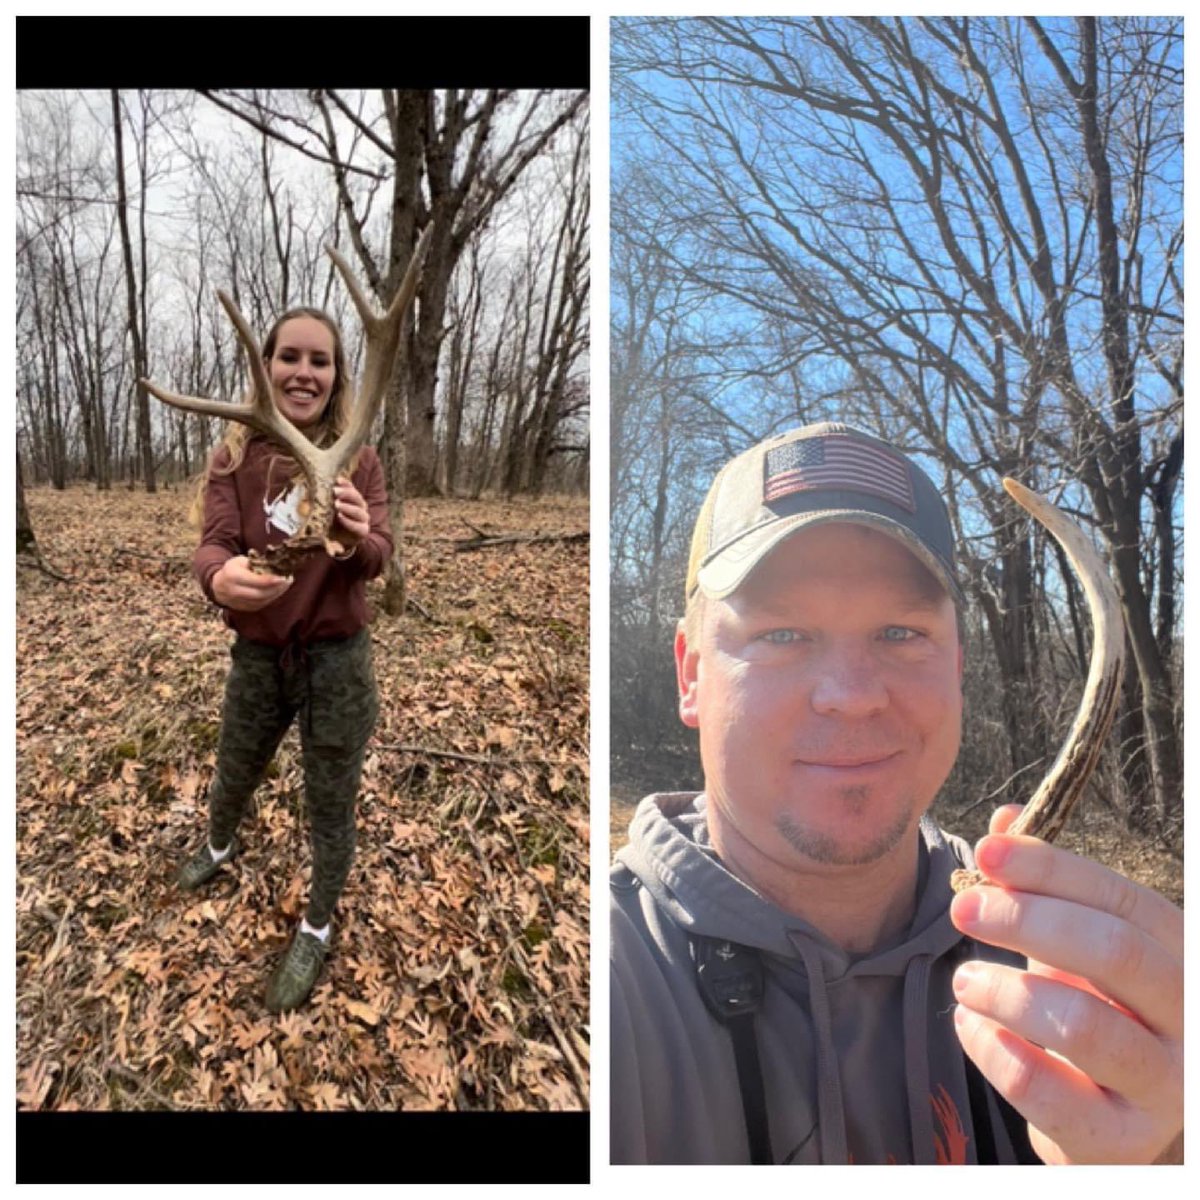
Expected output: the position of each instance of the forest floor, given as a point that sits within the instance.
(459, 971)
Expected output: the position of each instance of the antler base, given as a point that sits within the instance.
(314, 535)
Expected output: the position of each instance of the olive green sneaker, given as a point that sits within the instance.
(200, 868)
(296, 974)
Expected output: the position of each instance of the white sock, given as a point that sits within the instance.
(218, 855)
(305, 927)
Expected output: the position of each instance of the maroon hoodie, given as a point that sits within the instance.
(327, 598)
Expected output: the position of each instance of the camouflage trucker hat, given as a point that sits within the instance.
(810, 476)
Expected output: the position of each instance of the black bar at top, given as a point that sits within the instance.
(302, 52)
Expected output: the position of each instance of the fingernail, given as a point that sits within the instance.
(967, 908)
(992, 853)
(965, 977)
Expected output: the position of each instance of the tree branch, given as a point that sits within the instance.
(272, 132)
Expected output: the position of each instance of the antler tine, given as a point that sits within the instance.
(197, 404)
(1046, 812)
(366, 309)
(261, 413)
(383, 339)
(412, 276)
(370, 316)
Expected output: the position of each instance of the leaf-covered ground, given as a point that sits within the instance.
(459, 973)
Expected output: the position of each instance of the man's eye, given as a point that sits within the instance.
(780, 637)
(900, 633)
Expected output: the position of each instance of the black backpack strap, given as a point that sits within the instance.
(986, 1152)
(978, 1091)
(731, 979)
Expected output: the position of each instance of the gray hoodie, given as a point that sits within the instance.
(859, 1056)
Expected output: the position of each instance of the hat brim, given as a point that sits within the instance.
(729, 567)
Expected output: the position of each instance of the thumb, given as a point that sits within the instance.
(1003, 817)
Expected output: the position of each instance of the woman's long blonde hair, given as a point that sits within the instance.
(327, 429)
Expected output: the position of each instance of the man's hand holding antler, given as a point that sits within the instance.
(1087, 1044)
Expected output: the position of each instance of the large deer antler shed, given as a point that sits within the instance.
(320, 467)
(1046, 812)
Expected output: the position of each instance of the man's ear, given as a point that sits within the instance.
(687, 666)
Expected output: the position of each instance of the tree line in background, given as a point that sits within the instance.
(133, 208)
(963, 233)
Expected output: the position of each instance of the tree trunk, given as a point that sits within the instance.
(100, 423)
(421, 475)
(1162, 495)
(1158, 703)
(145, 451)
(462, 355)
(26, 541)
(455, 398)
(421, 448)
(395, 584)
(1131, 751)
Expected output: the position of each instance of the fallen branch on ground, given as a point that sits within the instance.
(482, 540)
(144, 1089)
(417, 606)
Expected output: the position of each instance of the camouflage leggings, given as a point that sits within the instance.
(331, 685)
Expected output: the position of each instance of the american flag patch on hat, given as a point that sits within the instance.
(836, 461)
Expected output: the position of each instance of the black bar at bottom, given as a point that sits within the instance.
(218, 1147)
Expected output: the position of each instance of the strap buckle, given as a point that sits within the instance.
(730, 977)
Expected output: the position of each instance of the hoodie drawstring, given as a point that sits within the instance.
(916, 1059)
(831, 1116)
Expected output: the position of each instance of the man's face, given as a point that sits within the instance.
(827, 694)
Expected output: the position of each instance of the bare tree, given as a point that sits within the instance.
(661, 447)
(43, 401)
(135, 310)
(466, 312)
(561, 331)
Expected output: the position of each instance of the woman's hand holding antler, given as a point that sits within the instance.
(236, 586)
(353, 517)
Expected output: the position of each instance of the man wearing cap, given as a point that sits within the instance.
(790, 980)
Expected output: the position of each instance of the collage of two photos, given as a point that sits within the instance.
(302, 699)
(310, 426)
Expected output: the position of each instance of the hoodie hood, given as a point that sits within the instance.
(670, 853)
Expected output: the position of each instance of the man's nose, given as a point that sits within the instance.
(848, 683)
